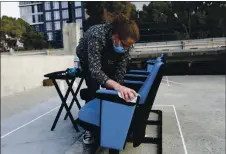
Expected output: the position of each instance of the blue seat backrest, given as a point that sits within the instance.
(144, 90)
(150, 63)
(147, 93)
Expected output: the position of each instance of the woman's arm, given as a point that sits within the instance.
(95, 48)
(94, 62)
(121, 68)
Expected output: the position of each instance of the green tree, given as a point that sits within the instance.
(95, 10)
(12, 26)
(19, 29)
(155, 22)
(182, 20)
(184, 11)
(33, 39)
(156, 12)
(216, 18)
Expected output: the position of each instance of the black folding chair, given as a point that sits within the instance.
(69, 78)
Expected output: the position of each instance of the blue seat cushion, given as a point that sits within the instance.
(90, 112)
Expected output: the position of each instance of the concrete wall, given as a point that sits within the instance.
(71, 36)
(20, 73)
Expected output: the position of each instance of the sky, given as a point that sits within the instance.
(139, 5)
(12, 9)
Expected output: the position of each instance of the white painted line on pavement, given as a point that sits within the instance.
(181, 134)
(164, 105)
(173, 82)
(167, 80)
(178, 124)
(29, 122)
(160, 105)
(44, 115)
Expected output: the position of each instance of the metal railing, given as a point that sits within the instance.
(35, 52)
(209, 44)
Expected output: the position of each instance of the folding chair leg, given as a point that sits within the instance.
(64, 104)
(71, 104)
(57, 117)
(74, 97)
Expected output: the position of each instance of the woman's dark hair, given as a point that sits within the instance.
(124, 27)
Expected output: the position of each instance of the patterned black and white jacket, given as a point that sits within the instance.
(97, 55)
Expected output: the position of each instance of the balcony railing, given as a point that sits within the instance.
(27, 3)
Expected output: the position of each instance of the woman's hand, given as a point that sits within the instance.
(127, 93)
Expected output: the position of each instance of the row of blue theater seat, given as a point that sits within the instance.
(149, 66)
(116, 121)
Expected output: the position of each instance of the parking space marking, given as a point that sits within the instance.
(178, 124)
(29, 122)
(179, 127)
(164, 105)
(170, 81)
(160, 105)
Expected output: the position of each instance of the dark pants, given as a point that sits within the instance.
(92, 85)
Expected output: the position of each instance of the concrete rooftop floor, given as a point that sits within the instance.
(193, 120)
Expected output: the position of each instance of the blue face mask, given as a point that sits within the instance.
(119, 49)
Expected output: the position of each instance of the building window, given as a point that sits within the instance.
(32, 8)
(56, 15)
(26, 10)
(27, 19)
(65, 14)
(79, 21)
(47, 5)
(48, 16)
(64, 21)
(40, 8)
(64, 4)
(77, 4)
(49, 26)
(40, 18)
(41, 27)
(36, 8)
(33, 18)
(78, 12)
(37, 28)
(55, 5)
(24, 3)
(57, 25)
(50, 36)
(35, 2)
(36, 18)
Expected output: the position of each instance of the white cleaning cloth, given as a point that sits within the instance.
(134, 100)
